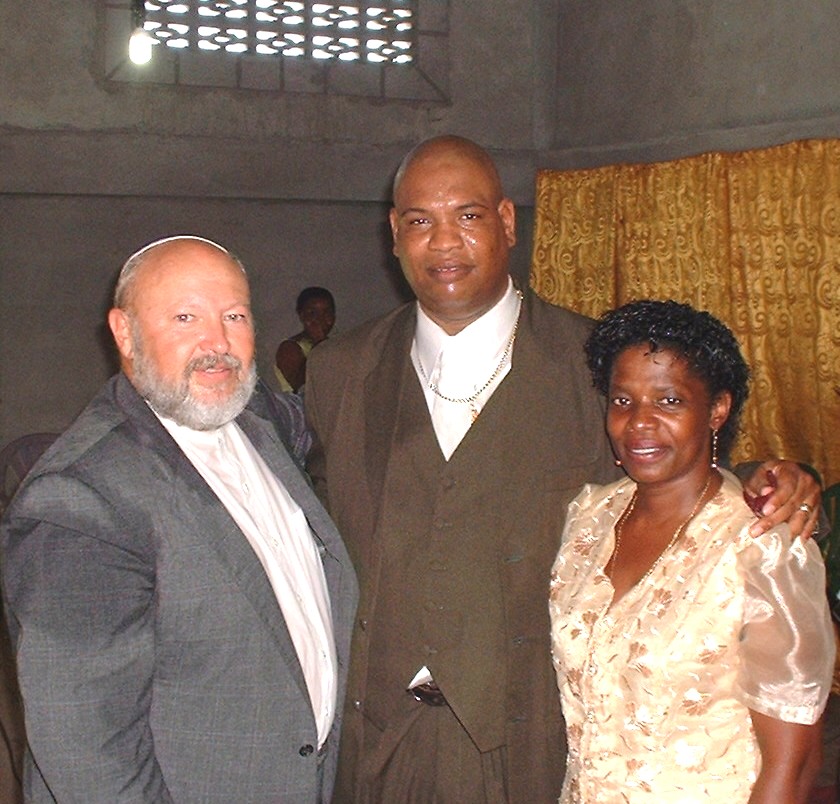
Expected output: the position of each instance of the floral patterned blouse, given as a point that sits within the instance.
(656, 689)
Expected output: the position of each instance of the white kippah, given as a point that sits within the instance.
(131, 264)
(163, 240)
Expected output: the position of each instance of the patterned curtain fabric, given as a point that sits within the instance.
(753, 237)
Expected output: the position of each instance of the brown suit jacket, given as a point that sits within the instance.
(491, 517)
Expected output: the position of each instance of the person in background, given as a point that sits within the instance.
(316, 310)
(449, 437)
(178, 600)
(693, 659)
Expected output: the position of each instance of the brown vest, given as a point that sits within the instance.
(439, 557)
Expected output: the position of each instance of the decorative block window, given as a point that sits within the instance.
(371, 31)
(395, 48)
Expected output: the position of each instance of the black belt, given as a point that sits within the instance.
(429, 694)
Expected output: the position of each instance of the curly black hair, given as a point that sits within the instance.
(708, 346)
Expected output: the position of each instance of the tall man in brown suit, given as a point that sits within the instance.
(450, 436)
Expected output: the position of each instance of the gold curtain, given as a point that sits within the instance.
(753, 237)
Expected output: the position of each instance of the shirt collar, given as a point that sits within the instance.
(478, 343)
(202, 440)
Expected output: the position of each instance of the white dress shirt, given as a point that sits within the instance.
(279, 534)
(459, 365)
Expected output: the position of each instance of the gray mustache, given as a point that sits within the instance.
(213, 361)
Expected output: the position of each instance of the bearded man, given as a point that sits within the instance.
(179, 601)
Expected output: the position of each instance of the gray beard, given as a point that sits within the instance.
(174, 401)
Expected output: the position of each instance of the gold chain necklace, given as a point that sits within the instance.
(619, 527)
(470, 400)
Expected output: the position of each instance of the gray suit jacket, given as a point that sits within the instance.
(154, 660)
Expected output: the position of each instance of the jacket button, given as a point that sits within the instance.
(306, 750)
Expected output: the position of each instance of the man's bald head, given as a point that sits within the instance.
(182, 324)
(453, 230)
(124, 288)
(449, 146)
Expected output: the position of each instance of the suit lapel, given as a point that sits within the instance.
(392, 396)
(202, 509)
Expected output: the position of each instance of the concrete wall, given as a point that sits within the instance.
(297, 183)
(60, 257)
(648, 80)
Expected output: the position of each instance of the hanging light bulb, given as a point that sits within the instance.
(140, 47)
(140, 43)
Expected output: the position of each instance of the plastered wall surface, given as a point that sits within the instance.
(298, 183)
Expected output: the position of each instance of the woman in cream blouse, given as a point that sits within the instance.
(693, 660)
